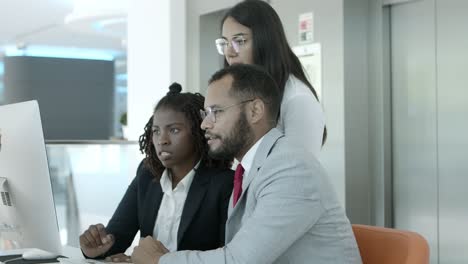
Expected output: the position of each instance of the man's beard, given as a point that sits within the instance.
(238, 140)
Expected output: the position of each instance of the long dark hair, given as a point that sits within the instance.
(270, 46)
(190, 105)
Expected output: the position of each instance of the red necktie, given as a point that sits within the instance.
(237, 184)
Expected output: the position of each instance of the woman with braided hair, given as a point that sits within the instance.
(179, 196)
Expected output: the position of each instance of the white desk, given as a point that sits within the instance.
(71, 252)
(74, 255)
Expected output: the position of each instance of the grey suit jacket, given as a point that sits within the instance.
(287, 213)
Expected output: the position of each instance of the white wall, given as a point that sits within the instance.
(156, 56)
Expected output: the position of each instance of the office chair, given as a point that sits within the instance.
(379, 245)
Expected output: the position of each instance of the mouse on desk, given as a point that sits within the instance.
(38, 254)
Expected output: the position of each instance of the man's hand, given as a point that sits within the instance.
(95, 241)
(149, 251)
(121, 257)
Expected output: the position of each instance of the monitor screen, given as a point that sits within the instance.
(27, 211)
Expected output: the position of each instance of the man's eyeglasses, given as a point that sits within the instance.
(236, 43)
(211, 112)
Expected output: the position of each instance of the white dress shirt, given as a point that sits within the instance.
(170, 210)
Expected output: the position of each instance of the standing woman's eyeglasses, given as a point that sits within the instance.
(223, 44)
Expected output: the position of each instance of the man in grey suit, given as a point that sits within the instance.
(283, 208)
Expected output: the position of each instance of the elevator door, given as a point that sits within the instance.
(452, 116)
(414, 119)
(429, 46)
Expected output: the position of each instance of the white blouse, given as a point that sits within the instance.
(301, 118)
(167, 223)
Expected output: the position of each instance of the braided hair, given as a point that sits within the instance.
(190, 105)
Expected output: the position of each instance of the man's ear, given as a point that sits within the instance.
(257, 111)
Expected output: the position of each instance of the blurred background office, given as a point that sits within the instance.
(390, 74)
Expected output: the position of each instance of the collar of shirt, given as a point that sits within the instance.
(182, 186)
(248, 159)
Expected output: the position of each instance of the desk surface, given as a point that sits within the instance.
(72, 252)
(68, 251)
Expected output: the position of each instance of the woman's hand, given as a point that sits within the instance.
(95, 241)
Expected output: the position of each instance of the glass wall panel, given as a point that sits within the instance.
(88, 180)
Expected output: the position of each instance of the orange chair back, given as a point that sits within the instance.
(379, 245)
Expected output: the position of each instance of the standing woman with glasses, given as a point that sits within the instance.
(252, 33)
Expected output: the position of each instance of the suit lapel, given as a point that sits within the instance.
(151, 208)
(194, 199)
(260, 156)
(262, 153)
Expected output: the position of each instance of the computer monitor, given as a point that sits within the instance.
(27, 211)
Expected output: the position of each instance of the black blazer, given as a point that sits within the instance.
(203, 218)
